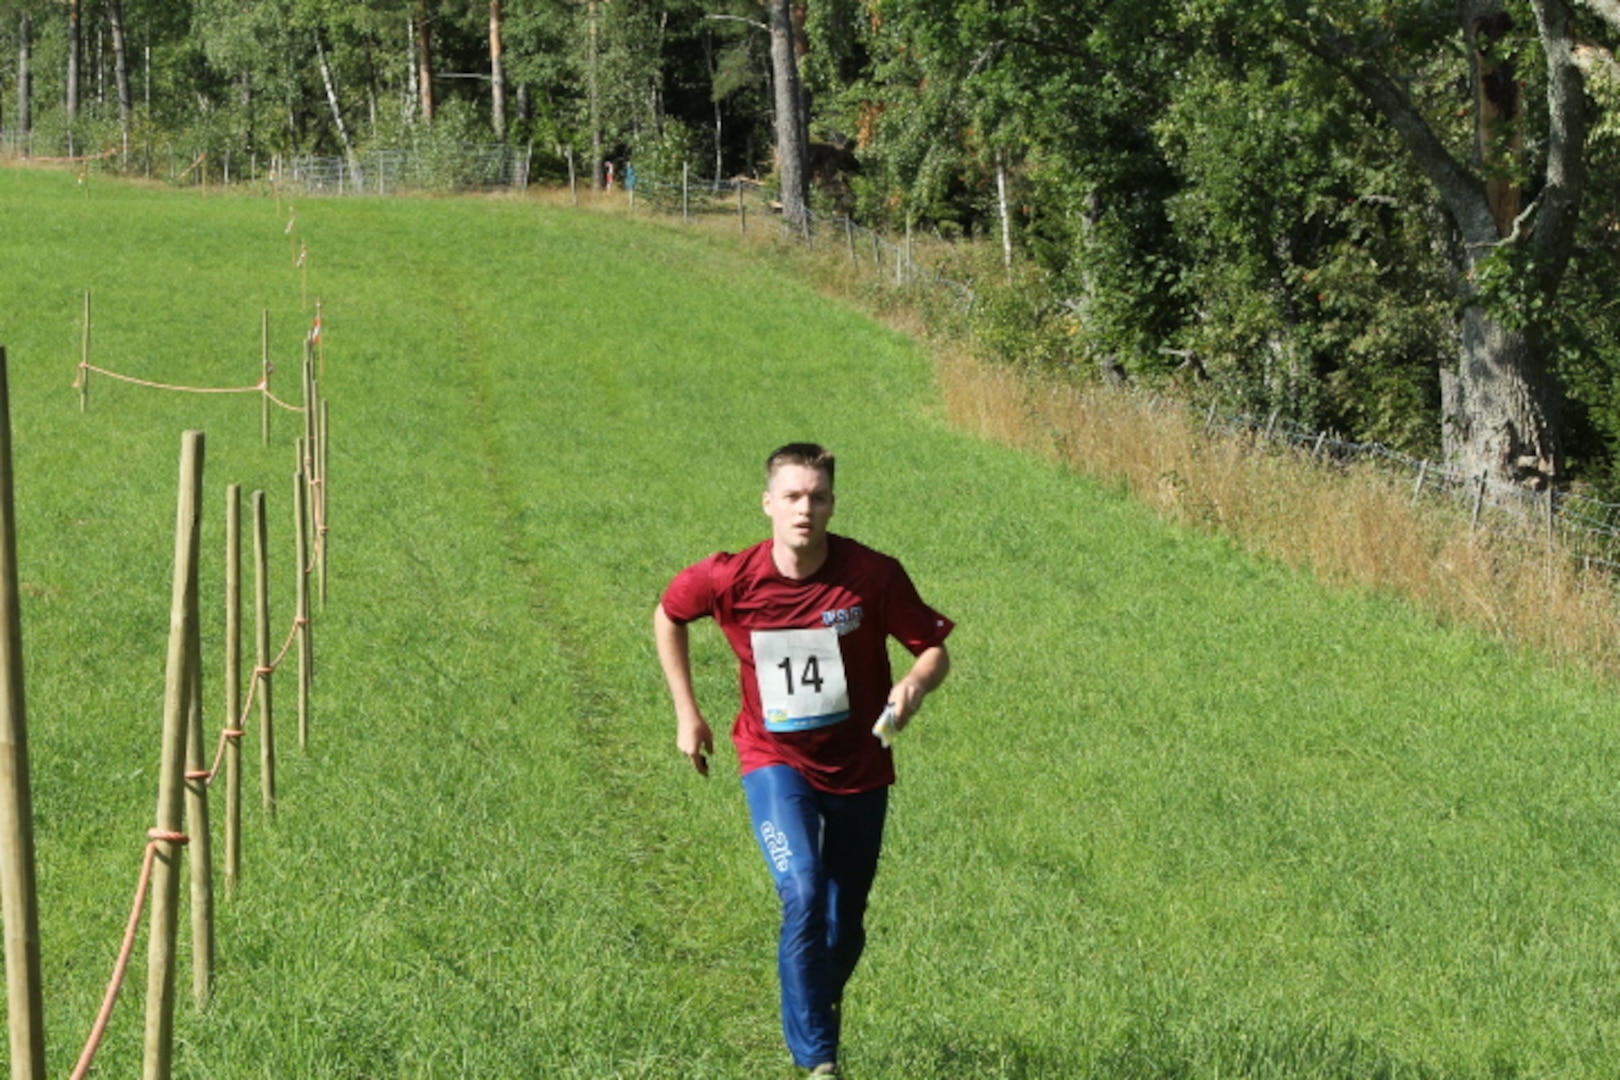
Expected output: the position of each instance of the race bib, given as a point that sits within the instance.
(801, 678)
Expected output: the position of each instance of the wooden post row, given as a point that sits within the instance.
(19, 900)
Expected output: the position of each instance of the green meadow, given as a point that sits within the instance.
(1179, 812)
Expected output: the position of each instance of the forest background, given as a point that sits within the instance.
(1398, 221)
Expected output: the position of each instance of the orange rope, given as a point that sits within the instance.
(225, 737)
(255, 388)
(260, 387)
(283, 404)
(261, 672)
(157, 836)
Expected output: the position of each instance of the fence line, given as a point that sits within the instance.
(185, 696)
(1590, 527)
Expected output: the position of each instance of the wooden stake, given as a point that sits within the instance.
(305, 653)
(19, 900)
(233, 685)
(261, 596)
(199, 850)
(264, 373)
(742, 209)
(165, 886)
(84, 371)
(323, 532)
(310, 390)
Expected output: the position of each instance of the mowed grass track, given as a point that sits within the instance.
(1177, 814)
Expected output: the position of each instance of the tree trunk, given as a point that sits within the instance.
(337, 112)
(74, 43)
(792, 143)
(25, 81)
(1496, 106)
(1502, 416)
(424, 59)
(593, 89)
(115, 20)
(497, 71)
(1502, 405)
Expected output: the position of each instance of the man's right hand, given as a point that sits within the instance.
(694, 739)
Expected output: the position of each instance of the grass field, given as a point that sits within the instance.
(1178, 813)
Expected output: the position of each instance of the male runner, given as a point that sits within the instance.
(809, 615)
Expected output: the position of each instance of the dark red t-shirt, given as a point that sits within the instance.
(852, 605)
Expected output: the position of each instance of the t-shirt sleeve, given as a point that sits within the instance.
(910, 621)
(691, 595)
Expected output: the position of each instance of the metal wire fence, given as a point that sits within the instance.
(1586, 527)
(384, 172)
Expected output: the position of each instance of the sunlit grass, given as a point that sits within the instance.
(1181, 811)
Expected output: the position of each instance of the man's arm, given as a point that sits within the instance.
(927, 672)
(692, 735)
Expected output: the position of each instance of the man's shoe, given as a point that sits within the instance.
(826, 1070)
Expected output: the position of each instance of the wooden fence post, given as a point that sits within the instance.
(199, 848)
(19, 899)
(849, 239)
(233, 686)
(322, 532)
(911, 265)
(165, 887)
(305, 651)
(742, 210)
(1479, 502)
(264, 373)
(1423, 473)
(261, 671)
(686, 195)
(84, 357)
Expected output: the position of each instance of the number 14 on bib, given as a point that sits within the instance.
(801, 678)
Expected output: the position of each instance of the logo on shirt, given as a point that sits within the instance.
(776, 847)
(843, 620)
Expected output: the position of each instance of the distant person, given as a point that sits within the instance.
(629, 176)
(809, 615)
(610, 176)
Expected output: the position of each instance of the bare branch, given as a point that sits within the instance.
(738, 18)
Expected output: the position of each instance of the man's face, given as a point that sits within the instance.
(799, 502)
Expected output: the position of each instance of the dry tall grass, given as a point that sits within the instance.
(1351, 526)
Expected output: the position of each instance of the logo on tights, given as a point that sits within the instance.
(776, 847)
